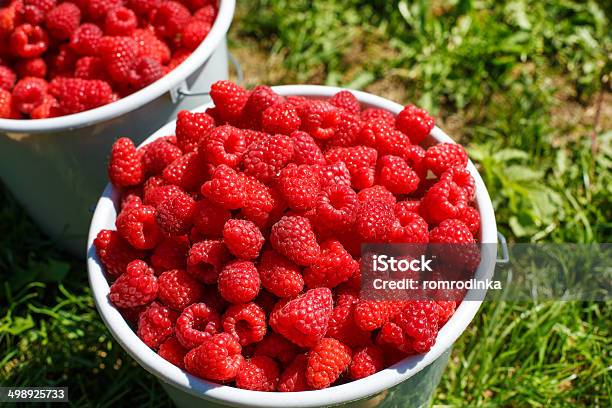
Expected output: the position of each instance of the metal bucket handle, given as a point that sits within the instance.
(505, 256)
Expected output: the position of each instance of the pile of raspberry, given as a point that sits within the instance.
(236, 253)
(62, 57)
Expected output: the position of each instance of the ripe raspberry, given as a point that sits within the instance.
(443, 156)
(342, 326)
(280, 118)
(223, 145)
(149, 45)
(213, 299)
(360, 162)
(276, 346)
(146, 71)
(90, 68)
(171, 253)
(34, 11)
(346, 101)
(7, 78)
(336, 207)
(114, 252)
(28, 93)
(260, 373)
(177, 58)
(299, 186)
(178, 290)
(377, 193)
(28, 41)
(120, 21)
(451, 231)
(372, 314)
(306, 150)
(226, 188)
(194, 32)
(155, 195)
(63, 20)
(372, 114)
(463, 178)
(407, 206)
(332, 174)
(175, 214)
(187, 172)
(207, 13)
(296, 100)
(61, 63)
(279, 275)
(77, 95)
(9, 17)
(206, 259)
(294, 238)
(332, 267)
(229, 99)
(395, 174)
(319, 119)
(442, 201)
(410, 228)
(97, 9)
(263, 160)
(191, 128)
(156, 156)
(138, 227)
(156, 324)
(471, 218)
(414, 329)
(131, 198)
(386, 139)
(251, 136)
(217, 359)
(137, 286)
(260, 202)
(173, 352)
(239, 282)
(84, 40)
(414, 123)
(293, 378)
(243, 239)
(49, 108)
(196, 324)
(347, 132)
(143, 7)
(119, 55)
(366, 361)
(260, 99)
(266, 301)
(415, 157)
(33, 67)
(326, 363)
(169, 18)
(304, 319)
(246, 322)
(374, 221)
(209, 218)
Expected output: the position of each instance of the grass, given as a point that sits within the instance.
(524, 84)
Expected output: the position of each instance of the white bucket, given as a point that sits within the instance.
(57, 167)
(410, 382)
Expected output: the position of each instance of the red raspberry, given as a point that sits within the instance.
(296, 100)
(84, 40)
(336, 207)
(175, 214)
(156, 156)
(372, 314)
(326, 363)
(366, 361)
(226, 188)
(155, 195)
(261, 203)
(442, 201)
(196, 324)
(119, 55)
(293, 378)
(251, 136)
(131, 198)
(377, 193)
(77, 95)
(336, 173)
(143, 7)
(206, 259)
(451, 232)
(120, 21)
(7, 78)
(177, 289)
(263, 160)
(347, 132)
(332, 267)
(149, 45)
(280, 118)
(223, 145)
(28, 93)
(239, 282)
(169, 18)
(62, 62)
(187, 172)
(407, 206)
(342, 326)
(28, 41)
(299, 186)
(138, 227)
(276, 346)
(306, 150)
(146, 71)
(229, 99)
(415, 123)
(414, 329)
(372, 114)
(246, 322)
(443, 156)
(49, 108)
(471, 218)
(260, 99)
(171, 253)
(415, 157)
(360, 162)
(213, 299)
(411, 228)
(396, 175)
(319, 119)
(266, 301)
(446, 309)
(97, 9)
(114, 252)
(346, 101)
(177, 58)
(90, 68)
(209, 218)
(173, 352)
(156, 324)
(137, 286)
(217, 359)
(374, 221)
(34, 11)
(124, 167)
(9, 17)
(194, 32)
(386, 139)
(207, 13)
(191, 129)
(294, 238)
(304, 319)
(33, 67)
(260, 373)
(63, 20)
(279, 275)
(243, 239)
(463, 178)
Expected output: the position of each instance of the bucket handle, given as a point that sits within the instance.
(505, 257)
